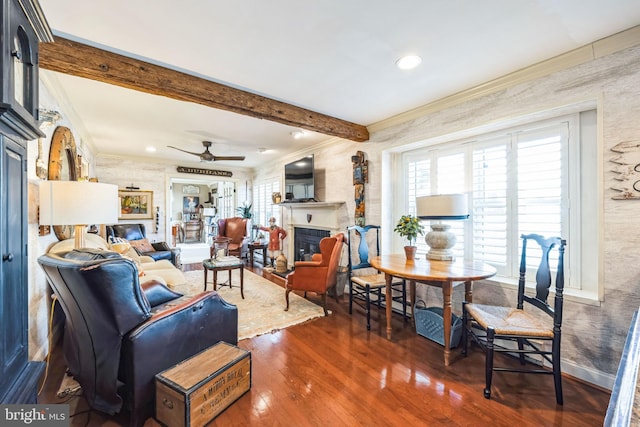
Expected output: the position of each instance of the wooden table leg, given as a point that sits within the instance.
(388, 278)
(468, 291)
(412, 298)
(205, 278)
(215, 280)
(241, 282)
(264, 256)
(446, 317)
(251, 257)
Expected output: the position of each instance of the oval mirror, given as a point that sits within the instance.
(62, 167)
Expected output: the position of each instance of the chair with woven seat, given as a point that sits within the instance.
(533, 331)
(370, 282)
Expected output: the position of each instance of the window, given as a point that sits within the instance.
(528, 179)
(263, 207)
(226, 196)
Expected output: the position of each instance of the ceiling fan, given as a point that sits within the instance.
(207, 156)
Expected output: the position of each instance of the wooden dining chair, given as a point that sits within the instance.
(493, 328)
(366, 284)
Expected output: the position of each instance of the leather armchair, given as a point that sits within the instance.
(132, 232)
(119, 334)
(235, 229)
(318, 275)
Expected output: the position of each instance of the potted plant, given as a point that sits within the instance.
(409, 226)
(244, 210)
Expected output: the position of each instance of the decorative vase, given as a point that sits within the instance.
(281, 263)
(410, 252)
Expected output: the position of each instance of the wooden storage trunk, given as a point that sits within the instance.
(196, 390)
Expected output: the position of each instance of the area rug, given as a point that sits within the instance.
(262, 309)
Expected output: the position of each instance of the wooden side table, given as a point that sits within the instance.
(221, 264)
(256, 246)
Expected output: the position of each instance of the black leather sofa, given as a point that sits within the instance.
(132, 232)
(119, 334)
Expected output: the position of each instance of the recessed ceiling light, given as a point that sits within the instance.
(261, 150)
(297, 134)
(408, 62)
(150, 149)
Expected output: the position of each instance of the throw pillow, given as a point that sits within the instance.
(142, 245)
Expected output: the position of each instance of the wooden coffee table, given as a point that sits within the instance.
(221, 264)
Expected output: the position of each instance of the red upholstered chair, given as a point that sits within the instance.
(235, 229)
(320, 274)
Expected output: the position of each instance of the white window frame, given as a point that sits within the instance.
(581, 219)
(263, 206)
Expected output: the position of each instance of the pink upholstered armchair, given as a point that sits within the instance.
(235, 229)
(320, 274)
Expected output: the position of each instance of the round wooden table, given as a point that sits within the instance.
(441, 274)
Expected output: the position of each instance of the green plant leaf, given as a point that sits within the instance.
(409, 227)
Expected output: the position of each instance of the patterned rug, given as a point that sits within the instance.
(262, 310)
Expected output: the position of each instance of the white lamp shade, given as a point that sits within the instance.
(209, 212)
(442, 206)
(78, 202)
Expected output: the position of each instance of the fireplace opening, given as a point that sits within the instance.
(306, 242)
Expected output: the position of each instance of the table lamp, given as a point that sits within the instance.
(437, 208)
(78, 203)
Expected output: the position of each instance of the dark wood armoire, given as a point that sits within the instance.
(23, 27)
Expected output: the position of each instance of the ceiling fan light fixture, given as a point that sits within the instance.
(408, 62)
(207, 156)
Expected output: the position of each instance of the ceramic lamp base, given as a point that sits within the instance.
(440, 241)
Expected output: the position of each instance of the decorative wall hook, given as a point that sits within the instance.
(309, 216)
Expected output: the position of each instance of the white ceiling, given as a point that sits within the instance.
(336, 57)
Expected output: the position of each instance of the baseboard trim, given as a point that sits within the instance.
(588, 375)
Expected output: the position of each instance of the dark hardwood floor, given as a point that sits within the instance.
(333, 372)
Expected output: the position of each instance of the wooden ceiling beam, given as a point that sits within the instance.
(81, 60)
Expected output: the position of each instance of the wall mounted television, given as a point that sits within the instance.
(299, 180)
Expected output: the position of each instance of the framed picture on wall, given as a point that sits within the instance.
(190, 204)
(135, 204)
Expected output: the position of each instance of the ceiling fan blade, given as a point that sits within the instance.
(215, 158)
(184, 151)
